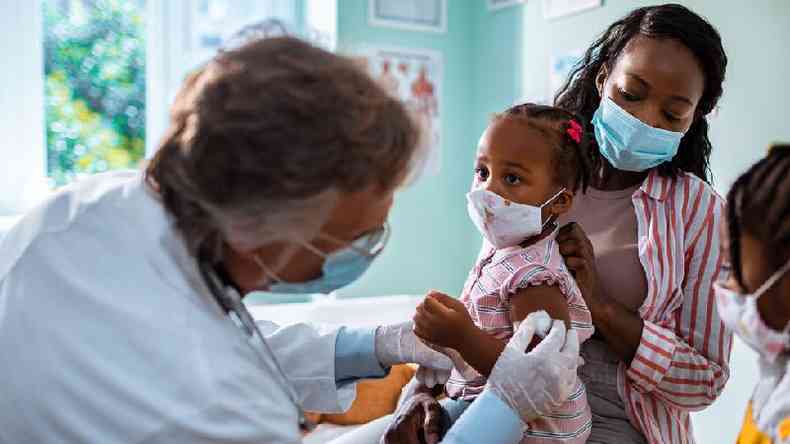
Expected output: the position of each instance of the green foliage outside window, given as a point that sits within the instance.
(94, 62)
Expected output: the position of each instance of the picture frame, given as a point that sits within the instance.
(495, 5)
(561, 65)
(554, 9)
(409, 15)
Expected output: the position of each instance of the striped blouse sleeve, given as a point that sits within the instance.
(685, 360)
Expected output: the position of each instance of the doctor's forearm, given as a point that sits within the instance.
(621, 328)
(355, 355)
(488, 419)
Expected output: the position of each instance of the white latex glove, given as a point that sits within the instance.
(535, 383)
(430, 377)
(397, 344)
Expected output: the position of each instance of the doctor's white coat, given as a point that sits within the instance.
(108, 334)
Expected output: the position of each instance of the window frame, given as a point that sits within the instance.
(22, 90)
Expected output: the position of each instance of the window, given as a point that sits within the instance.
(91, 88)
(94, 86)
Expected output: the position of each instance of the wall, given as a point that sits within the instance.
(497, 42)
(433, 245)
(753, 113)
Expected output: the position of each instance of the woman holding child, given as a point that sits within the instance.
(643, 241)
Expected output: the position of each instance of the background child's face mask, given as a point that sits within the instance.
(504, 223)
(739, 313)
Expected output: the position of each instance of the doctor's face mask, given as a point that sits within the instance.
(340, 268)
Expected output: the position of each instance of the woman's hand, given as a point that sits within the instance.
(620, 327)
(579, 256)
(443, 321)
(418, 419)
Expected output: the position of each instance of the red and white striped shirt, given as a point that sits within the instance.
(681, 364)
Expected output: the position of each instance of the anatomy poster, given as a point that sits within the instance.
(415, 77)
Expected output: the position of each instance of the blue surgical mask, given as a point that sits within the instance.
(341, 267)
(630, 144)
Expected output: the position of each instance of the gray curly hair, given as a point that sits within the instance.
(264, 138)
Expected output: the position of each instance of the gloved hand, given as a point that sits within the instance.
(397, 344)
(431, 377)
(535, 383)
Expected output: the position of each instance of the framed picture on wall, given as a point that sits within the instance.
(414, 76)
(561, 66)
(212, 24)
(494, 5)
(553, 9)
(410, 15)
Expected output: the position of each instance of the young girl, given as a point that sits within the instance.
(755, 301)
(530, 162)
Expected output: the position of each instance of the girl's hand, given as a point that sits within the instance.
(443, 321)
(419, 419)
(579, 256)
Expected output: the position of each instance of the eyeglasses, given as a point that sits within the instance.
(369, 244)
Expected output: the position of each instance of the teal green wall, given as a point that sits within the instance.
(493, 59)
(497, 45)
(433, 243)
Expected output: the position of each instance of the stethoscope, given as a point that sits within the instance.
(229, 299)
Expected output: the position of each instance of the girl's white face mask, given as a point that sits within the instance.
(502, 222)
(739, 313)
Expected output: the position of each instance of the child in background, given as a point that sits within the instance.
(755, 302)
(530, 162)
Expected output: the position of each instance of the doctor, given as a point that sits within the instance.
(120, 297)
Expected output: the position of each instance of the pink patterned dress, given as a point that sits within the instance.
(488, 292)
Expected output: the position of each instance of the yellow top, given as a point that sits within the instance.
(750, 434)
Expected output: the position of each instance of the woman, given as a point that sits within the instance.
(643, 242)
(120, 297)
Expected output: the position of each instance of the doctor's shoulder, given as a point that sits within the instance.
(56, 215)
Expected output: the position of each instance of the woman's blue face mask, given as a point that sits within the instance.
(628, 143)
(341, 267)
